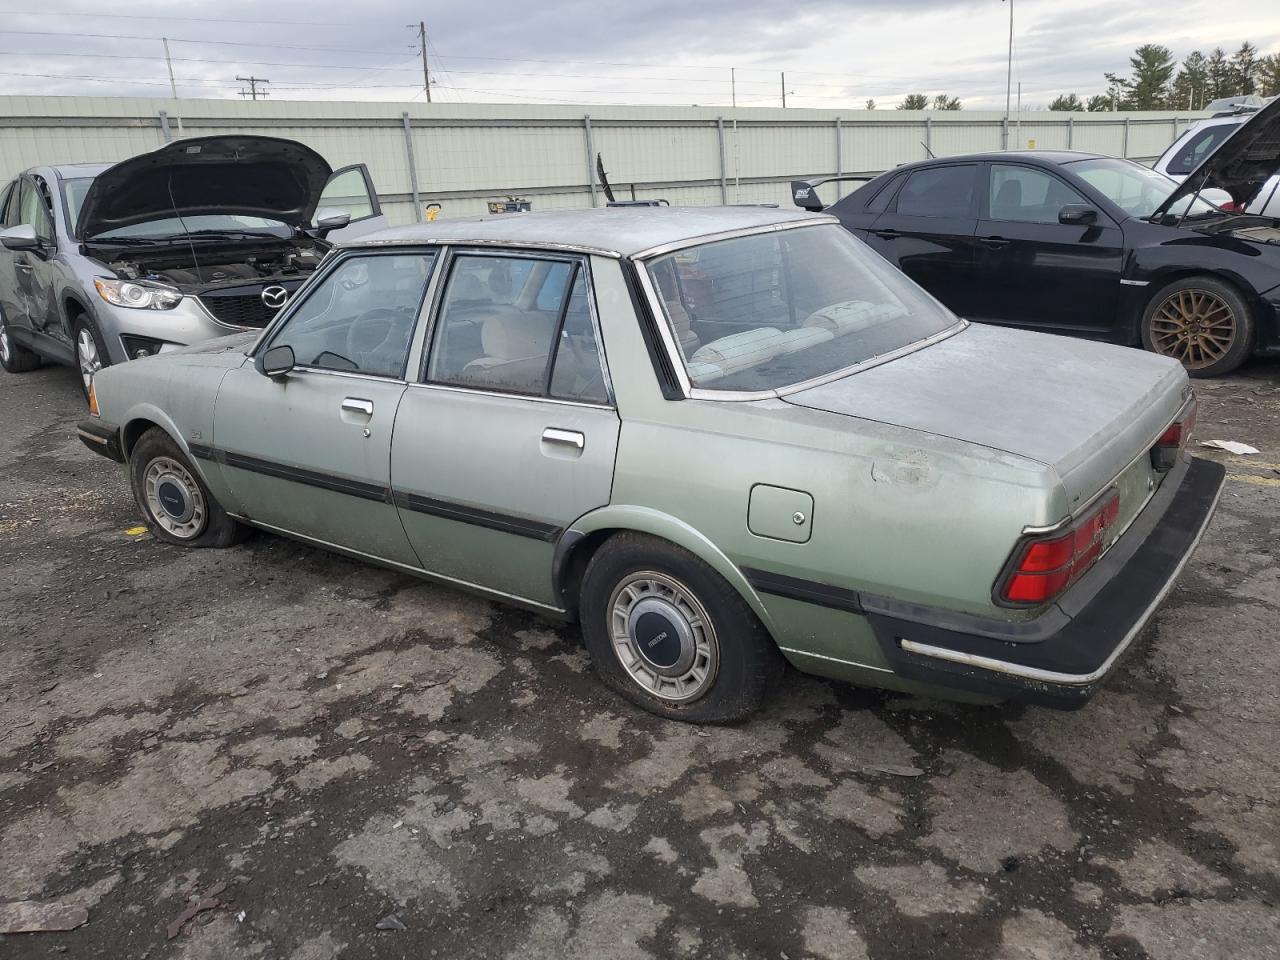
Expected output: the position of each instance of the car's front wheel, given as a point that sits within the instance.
(14, 357)
(91, 352)
(1201, 322)
(174, 501)
(671, 635)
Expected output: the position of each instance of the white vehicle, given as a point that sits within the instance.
(1190, 150)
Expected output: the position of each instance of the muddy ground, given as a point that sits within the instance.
(308, 745)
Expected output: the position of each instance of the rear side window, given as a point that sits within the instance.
(1199, 145)
(880, 202)
(939, 192)
(518, 325)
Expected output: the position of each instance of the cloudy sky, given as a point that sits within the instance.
(835, 54)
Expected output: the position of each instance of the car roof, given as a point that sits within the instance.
(614, 231)
(75, 171)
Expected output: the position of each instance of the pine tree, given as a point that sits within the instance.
(1189, 85)
(871, 104)
(1269, 76)
(1098, 103)
(1066, 101)
(1245, 68)
(1148, 88)
(1219, 73)
(943, 102)
(914, 101)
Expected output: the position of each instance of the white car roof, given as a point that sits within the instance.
(613, 231)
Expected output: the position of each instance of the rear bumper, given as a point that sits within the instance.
(101, 438)
(1062, 657)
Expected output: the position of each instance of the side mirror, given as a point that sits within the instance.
(805, 196)
(21, 237)
(331, 218)
(277, 362)
(1077, 215)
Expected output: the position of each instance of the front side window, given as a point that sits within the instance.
(1199, 145)
(1027, 195)
(770, 310)
(518, 325)
(1136, 189)
(35, 210)
(360, 317)
(939, 192)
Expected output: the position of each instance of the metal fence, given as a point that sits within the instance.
(462, 155)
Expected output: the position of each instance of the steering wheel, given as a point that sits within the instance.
(373, 329)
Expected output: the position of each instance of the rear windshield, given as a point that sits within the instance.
(771, 310)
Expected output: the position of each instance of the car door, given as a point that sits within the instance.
(927, 231)
(1036, 272)
(35, 304)
(310, 452)
(511, 433)
(13, 301)
(350, 189)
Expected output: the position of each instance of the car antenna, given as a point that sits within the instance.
(927, 150)
(190, 243)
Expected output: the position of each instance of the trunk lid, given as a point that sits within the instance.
(250, 176)
(1086, 409)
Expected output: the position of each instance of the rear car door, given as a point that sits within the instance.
(928, 229)
(510, 434)
(310, 453)
(351, 190)
(1036, 272)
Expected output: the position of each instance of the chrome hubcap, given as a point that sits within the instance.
(87, 353)
(1194, 326)
(173, 498)
(663, 637)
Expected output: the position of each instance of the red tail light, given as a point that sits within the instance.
(1164, 455)
(1042, 567)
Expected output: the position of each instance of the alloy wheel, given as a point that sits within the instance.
(1194, 326)
(174, 499)
(663, 637)
(87, 354)
(4, 342)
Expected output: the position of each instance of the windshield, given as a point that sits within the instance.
(74, 192)
(774, 309)
(1135, 189)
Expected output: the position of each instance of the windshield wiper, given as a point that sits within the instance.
(233, 233)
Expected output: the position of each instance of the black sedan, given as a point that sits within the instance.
(1089, 245)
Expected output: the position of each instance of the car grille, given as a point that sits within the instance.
(241, 310)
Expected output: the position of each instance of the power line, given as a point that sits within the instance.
(253, 92)
(223, 43)
(153, 18)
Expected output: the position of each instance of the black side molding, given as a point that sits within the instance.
(504, 522)
(101, 438)
(808, 591)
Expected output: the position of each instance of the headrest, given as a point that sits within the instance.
(515, 335)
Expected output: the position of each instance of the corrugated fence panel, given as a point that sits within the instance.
(465, 154)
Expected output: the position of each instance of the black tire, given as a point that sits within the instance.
(83, 326)
(1202, 322)
(14, 357)
(632, 567)
(160, 474)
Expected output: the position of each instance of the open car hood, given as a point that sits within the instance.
(1241, 165)
(236, 175)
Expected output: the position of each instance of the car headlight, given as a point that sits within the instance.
(139, 294)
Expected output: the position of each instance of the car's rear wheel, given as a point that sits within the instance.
(671, 635)
(1201, 322)
(14, 357)
(91, 352)
(174, 501)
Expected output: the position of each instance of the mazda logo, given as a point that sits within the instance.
(275, 297)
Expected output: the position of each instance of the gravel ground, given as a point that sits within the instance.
(302, 746)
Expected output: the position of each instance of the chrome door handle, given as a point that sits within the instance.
(570, 438)
(356, 405)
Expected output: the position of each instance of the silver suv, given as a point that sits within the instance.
(203, 237)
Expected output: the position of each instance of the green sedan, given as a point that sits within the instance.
(720, 439)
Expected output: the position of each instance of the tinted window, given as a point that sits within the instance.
(1027, 195)
(1199, 145)
(10, 192)
(938, 192)
(360, 317)
(769, 310)
(518, 325)
(880, 202)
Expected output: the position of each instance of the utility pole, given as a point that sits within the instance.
(733, 85)
(784, 90)
(1008, 82)
(426, 77)
(253, 92)
(173, 86)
